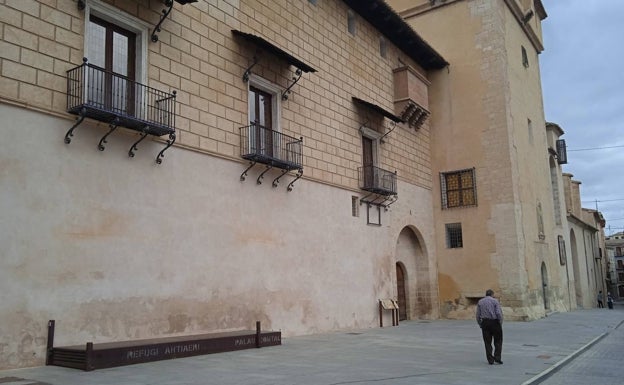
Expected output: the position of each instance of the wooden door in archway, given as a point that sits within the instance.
(401, 292)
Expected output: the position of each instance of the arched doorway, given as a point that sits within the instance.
(545, 286)
(413, 275)
(401, 297)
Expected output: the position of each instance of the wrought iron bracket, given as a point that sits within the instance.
(248, 70)
(295, 79)
(244, 174)
(70, 133)
(134, 146)
(393, 125)
(81, 5)
(392, 201)
(113, 126)
(261, 176)
(165, 13)
(299, 175)
(170, 142)
(276, 180)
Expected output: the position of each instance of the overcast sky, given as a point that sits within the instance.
(582, 70)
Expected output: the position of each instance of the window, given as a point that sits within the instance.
(370, 143)
(458, 188)
(115, 43)
(554, 182)
(620, 277)
(525, 58)
(620, 264)
(453, 235)
(351, 22)
(263, 116)
(383, 47)
(562, 251)
(125, 36)
(113, 51)
(313, 2)
(618, 251)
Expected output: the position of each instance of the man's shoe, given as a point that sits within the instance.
(498, 362)
(491, 362)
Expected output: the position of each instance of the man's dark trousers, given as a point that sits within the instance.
(491, 328)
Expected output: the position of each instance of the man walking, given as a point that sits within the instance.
(490, 320)
(600, 299)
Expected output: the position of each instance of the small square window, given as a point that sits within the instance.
(454, 235)
(313, 2)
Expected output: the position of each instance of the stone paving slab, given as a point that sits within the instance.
(416, 352)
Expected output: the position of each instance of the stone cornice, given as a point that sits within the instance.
(511, 4)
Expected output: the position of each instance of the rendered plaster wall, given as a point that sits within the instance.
(116, 248)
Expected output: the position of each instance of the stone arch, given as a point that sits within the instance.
(411, 255)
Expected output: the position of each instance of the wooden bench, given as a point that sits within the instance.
(110, 354)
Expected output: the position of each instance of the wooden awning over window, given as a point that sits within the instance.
(379, 110)
(273, 49)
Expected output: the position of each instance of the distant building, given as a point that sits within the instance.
(615, 245)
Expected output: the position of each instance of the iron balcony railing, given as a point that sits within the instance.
(105, 96)
(377, 180)
(263, 145)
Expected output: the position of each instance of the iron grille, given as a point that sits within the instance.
(105, 96)
(264, 145)
(377, 180)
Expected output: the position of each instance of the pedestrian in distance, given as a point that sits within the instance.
(609, 301)
(600, 298)
(490, 320)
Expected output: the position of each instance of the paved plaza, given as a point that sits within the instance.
(416, 352)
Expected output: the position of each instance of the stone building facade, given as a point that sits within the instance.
(587, 244)
(287, 179)
(495, 173)
(615, 250)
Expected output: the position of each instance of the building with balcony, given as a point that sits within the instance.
(183, 167)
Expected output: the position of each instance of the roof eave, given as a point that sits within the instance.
(388, 22)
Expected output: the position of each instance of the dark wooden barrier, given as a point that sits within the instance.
(110, 354)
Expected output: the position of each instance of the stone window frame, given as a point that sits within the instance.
(126, 21)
